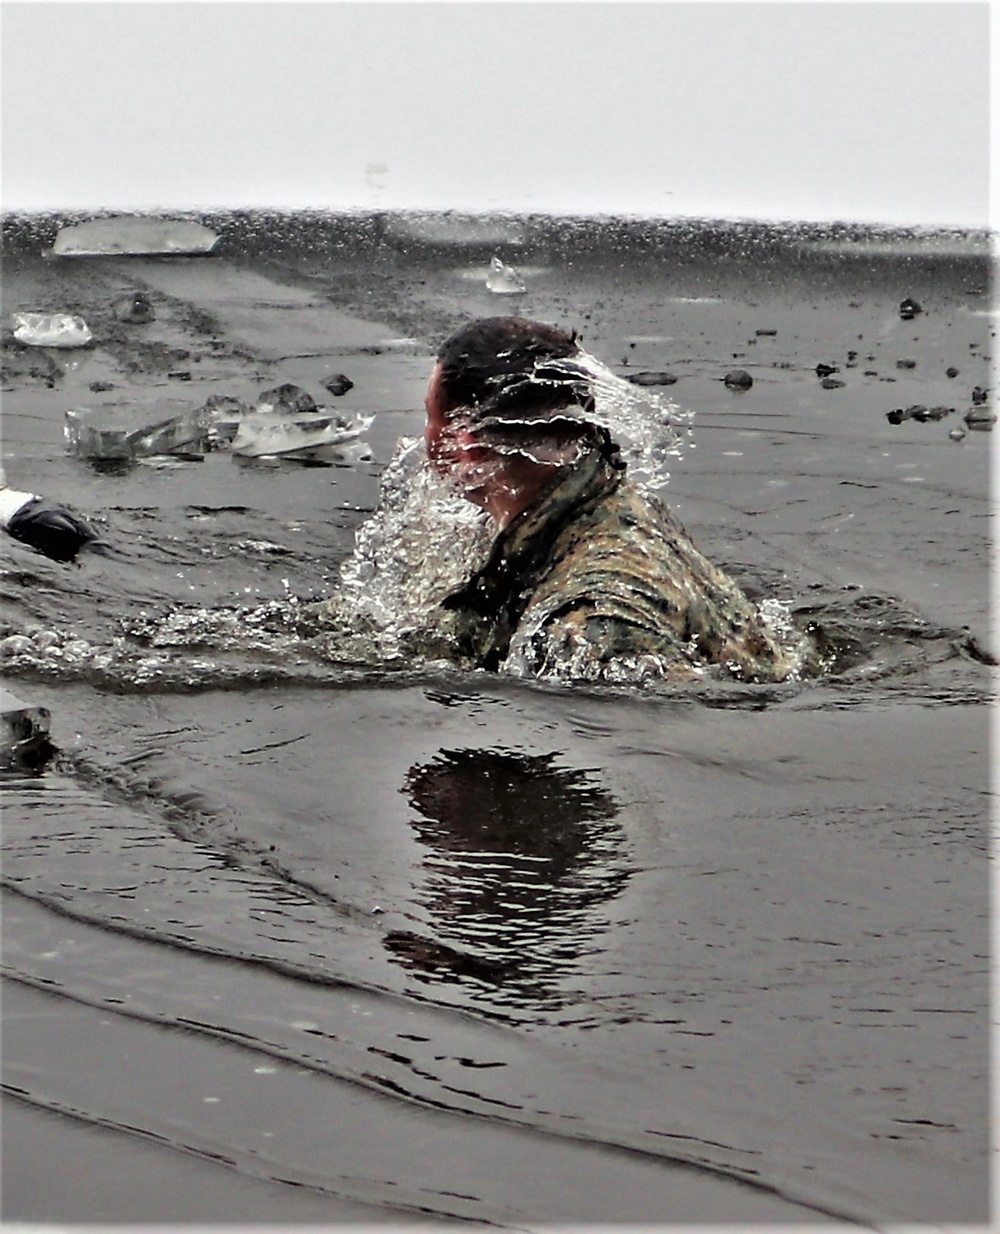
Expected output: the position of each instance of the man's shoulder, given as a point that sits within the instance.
(627, 594)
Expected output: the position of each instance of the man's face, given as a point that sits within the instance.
(433, 405)
(451, 451)
(501, 477)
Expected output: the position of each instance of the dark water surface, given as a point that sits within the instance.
(287, 939)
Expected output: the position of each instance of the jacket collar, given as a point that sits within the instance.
(501, 589)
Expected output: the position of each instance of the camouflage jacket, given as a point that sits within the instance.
(596, 581)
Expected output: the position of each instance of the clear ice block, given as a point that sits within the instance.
(504, 280)
(126, 431)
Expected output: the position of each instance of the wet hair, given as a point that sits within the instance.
(496, 367)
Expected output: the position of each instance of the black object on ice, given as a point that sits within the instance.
(652, 379)
(918, 412)
(979, 396)
(24, 731)
(338, 384)
(824, 370)
(50, 528)
(738, 379)
(135, 308)
(909, 308)
(980, 418)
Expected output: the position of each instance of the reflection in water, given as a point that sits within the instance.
(520, 851)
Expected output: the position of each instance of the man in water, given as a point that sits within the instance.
(587, 577)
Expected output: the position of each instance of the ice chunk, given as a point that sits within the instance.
(184, 434)
(317, 437)
(51, 330)
(126, 431)
(504, 280)
(448, 228)
(981, 419)
(223, 413)
(134, 235)
(287, 398)
(131, 431)
(349, 453)
(23, 729)
(87, 437)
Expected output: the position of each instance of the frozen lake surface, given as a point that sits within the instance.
(288, 940)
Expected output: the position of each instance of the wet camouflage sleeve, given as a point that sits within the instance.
(629, 596)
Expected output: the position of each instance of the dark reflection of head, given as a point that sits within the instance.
(520, 851)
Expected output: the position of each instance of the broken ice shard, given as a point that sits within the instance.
(315, 437)
(126, 235)
(223, 413)
(504, 280)
(287, 398)
(126, 431)
(51, 330)
(23, 729)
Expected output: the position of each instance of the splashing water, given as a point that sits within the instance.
(649, 428)
(423, 542)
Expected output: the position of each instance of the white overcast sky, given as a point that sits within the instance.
(853, 110)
